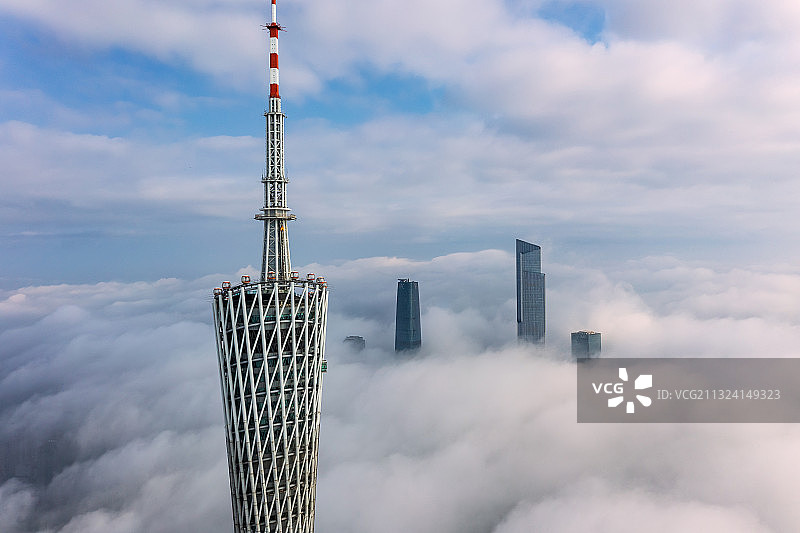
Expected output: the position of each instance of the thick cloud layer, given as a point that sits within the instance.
(108, 417)
(111, 418)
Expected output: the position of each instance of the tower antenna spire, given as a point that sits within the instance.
(275, 260)
(273, 28)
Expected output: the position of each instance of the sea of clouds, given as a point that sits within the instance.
(111, 419)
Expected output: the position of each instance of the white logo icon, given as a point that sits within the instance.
(645, 381)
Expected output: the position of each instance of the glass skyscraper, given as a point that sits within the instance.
(407, 334)
(530, 292)
(585, 344)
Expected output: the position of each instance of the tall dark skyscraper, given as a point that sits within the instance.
(407, 334)
(530, 292)
(585, 344)
(270, 345)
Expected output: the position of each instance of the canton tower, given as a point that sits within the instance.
(270, 344)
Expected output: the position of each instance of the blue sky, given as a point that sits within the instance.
(606, 131)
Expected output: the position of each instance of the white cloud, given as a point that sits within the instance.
(714, 25)
(604, 509)
(219, 38)
(85, 175)
(633, 138)
(16, 502)
(117, 405)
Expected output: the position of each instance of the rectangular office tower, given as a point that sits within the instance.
(585, 344)
(270, 345)
(530, 292)
(407, 333)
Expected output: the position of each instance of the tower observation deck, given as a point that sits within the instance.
(270, 344)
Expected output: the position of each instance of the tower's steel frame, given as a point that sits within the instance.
(270, 345)
(270, 342)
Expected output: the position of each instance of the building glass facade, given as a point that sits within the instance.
(530, 293)
(585, 344)
(407, 335)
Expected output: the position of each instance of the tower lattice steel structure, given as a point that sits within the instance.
(270, 345)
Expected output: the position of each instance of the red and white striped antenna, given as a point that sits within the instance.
(273, 28)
